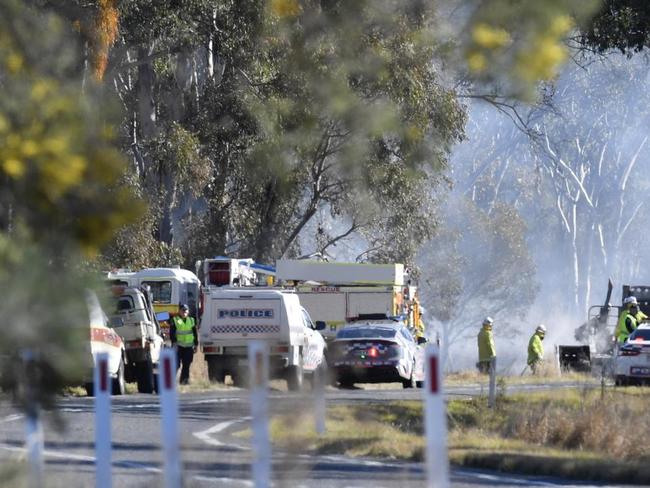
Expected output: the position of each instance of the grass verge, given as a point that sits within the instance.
(571, 433)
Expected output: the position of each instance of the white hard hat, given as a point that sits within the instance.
(488, 321)
(541, 328)
(630, 300)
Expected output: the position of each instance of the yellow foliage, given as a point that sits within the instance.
(542, 61)
(40, 90)
(285, 8)
(413, 133)
(560, 25)
(13, 168)
(489, 37)
(29, 148)
(14, 63)
(476, 62)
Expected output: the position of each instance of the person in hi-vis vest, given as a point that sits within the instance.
(185, 339)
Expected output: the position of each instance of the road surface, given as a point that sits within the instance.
(211, 454)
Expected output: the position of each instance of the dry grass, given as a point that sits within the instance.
(386, 431)
(572, 433)
(615, 425)
(548, 373)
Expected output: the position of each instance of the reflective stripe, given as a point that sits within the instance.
(184, 333)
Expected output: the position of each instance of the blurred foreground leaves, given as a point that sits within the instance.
(515, 45)
(59, 201)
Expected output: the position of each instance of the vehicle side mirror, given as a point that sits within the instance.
(320, 325)
(116, 322)
(162, 316)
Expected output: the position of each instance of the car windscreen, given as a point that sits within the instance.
(366, 333)
(160, 290)
(640, 334)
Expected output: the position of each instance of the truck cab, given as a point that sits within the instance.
(134, 319)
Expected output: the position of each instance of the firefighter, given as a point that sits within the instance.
(535, 348)
(629, 319)
(185, 339)
(486, 349)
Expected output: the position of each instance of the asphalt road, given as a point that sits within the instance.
(212, 455)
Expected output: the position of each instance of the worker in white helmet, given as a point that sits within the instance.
(486, 349)
(629, 319)
(535, 348)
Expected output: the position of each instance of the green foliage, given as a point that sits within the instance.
(619, 24)
(59, 201)
(47, 319)
(293, 109)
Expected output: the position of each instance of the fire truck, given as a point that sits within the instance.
(338, 292)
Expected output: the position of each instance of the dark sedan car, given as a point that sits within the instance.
(376, 352)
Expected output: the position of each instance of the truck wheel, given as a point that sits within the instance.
(294, 378)
(118, 386)
(239, 379)
(145, 377)
(216, 373)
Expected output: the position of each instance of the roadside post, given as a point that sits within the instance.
(33, 425)
(493, 383)
(437, 458)
(101, 384)
(169, 415)
(319, 399)
(258, 364)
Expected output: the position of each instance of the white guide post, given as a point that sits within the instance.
(258, 363)
(102, 386)
(493, 383)
(319, 399)
(437, 458)
(169, 414)
(33, 425)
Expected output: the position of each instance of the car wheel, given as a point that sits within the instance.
(145, 377)
(346, 383)
(118, 386)
(294, 378)
(410, 383)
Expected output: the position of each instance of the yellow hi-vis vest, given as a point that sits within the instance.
(486, 349)
(184, 333)
(535, 349)
(622, 330)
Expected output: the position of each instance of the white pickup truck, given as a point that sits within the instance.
(233, 316)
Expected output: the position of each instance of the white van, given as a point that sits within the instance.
(233, 316)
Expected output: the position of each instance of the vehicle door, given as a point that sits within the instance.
(410, 347)
(314, 344)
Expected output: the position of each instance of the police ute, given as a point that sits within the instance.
(632, 360)
(234, 316)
